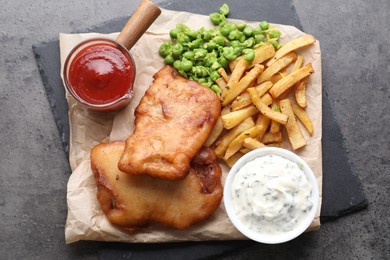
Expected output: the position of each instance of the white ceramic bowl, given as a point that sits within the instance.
(271, 238)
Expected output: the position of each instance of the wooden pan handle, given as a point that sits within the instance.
(140, 21)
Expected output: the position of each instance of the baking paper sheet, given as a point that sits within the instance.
(85, 220)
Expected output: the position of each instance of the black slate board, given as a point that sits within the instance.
(342, 191)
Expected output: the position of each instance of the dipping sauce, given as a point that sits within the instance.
(271, 194)
(100, 73)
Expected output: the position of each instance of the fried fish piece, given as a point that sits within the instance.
(172, 121)
(133, 201)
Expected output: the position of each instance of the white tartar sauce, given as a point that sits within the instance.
(271, 194)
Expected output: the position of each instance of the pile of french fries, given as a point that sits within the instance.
(260, 99)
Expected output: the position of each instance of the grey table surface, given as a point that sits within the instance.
(34, 168)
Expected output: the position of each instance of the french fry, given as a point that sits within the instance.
(236, 144)
(225, 140)
(298, 63)
(278, 76)
(275, 126)
(300, 93)
(244, 99)
(264, 87)
(287, 82)
(280, 145)
(221, 84)
(233, 159)
(252, 144)
(266, 99)
(292, 45)
(234, 118)
(217, 130)
(262, 54)
(304, 118)
(264, 122)
(244, 150)
(243, 84)
(223, 74)
(264, 109)
(241, 101)
(269, 138)
(280, 64)
(237, 73)
(294, 133)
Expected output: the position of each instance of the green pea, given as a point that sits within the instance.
(165, 48)
(219, 40)
(249, 54)
(216, 65)
(194, 44)
(216, 89)
(200, 53)
(169, 59)
(202, 80)
(183, 38)
(223, 61)
(248, 43)
(241, 26)
(235, 35)
(209, 46)
(257, 31)
(238, 50)
(229, 53)
(192, 33)
(234, 43)
(226, 29)
(242, 38)
(208, 83)
(274, 34)
(177, 49)
(260, 38)
(275, 43)
(188, 55)
(264, 25)
(224, 9)
(200, 71)
(248, 31)
(186, 65)
(173, 33)
(214, 75)
(216, 18)
(206, 35)
(177, 64)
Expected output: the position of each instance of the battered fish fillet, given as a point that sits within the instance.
(131, 201)
(172, 121)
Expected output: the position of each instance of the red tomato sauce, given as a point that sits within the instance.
(101, 73)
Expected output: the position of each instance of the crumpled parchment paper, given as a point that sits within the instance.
(85, 219)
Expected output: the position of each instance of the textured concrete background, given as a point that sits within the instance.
(34, 169)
